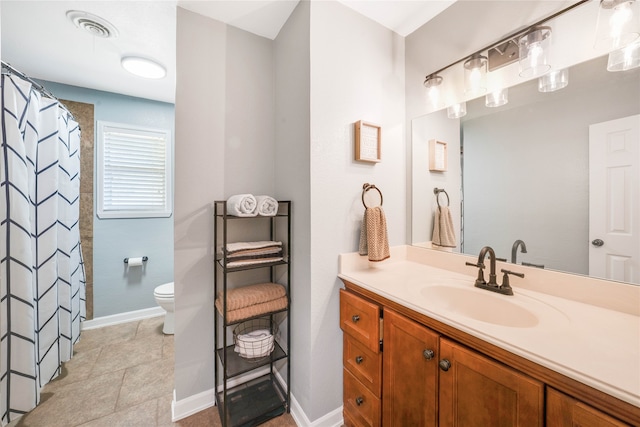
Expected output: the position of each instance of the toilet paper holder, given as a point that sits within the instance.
(144, 259)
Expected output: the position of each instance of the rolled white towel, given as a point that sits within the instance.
(266, 206)
(242, 205)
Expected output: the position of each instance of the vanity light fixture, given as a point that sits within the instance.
(475, 75)
(143, 67)
(534, 45)
(432, 82)
(618, 24)
(456, 111)
(497, 98)
(553, 80)
(624, 59)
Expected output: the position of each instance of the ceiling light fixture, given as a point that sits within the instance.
(553, 80)
(475, 75)
(432, 82)
(618, 24)
(533, 52)
(624, 59)
(456, 111)
(92, 24)
(143, 67)
(497, 98)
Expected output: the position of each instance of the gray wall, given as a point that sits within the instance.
(115, 289)
(292, 159)
(224, 145)
(526, 169)
(328, 68)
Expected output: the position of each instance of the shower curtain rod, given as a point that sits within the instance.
(9, 69)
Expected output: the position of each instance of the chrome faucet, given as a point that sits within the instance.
(492, 285)
(514, 250)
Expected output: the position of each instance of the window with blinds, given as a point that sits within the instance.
(134, 171)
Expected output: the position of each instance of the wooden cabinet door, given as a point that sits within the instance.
(409, 372)
(477, 391)
(565, 411)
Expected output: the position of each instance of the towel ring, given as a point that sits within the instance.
(437, 192)
(366, 187)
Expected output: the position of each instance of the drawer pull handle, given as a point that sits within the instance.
(359, 401)
(355, 318)
(359, 359)
(444, 364)
(428, 354)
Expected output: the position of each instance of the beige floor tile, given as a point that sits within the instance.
(76, 403)
(168, 349)
(151, 326)
(95, 338)
(145, 382)
(207, 417)
(77, 369)
(142, 415)
(164, 410)
(128, 354)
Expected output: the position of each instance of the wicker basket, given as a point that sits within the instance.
(255, 338)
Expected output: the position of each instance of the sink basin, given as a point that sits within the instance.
(480, 305)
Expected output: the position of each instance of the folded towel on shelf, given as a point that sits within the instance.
(266, 206)
(443, 231)
(254, 310)
(242, 205)
(374, 240)
(243, 246)
(246, 296)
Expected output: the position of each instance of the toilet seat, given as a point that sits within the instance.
(164, 291)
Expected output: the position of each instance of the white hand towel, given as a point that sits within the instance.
(267, 206)
(242, 205)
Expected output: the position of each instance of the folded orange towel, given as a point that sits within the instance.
(246, 296)
(254, 310)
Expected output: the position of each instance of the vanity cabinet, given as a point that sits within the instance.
(436, 375)
(429, 380)
(475, 390)
(362, 360)
(565, 411)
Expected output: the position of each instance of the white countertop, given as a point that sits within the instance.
(598, 346)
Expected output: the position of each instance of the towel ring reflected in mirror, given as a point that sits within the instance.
(437, 192)
(365, 188)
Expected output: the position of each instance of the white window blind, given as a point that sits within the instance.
(134, 171)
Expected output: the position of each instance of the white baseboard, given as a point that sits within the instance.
(185, 407)
(116, 319)
(332, 419)
(206, 399)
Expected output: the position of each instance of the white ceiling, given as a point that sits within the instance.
(40, 41)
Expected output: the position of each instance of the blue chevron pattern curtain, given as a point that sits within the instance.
(42, 283)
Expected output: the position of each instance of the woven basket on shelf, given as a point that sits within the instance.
(255, 338)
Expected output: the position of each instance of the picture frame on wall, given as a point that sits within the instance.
(367, 142)
(437, 156)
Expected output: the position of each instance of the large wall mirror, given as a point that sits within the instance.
(558, 171)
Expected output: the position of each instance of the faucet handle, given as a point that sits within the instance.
(480, 280)
(505, 279)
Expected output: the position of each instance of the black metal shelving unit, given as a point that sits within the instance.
(250, 392)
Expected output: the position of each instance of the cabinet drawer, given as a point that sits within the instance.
(360, 319)
(361, 406)
(363, 363)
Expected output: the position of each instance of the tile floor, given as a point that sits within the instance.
(119, 376)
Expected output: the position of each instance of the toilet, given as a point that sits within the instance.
(164, 297)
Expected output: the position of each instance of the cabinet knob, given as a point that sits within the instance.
(355, 318)
(359, 359)
(359, 401)
(428, 354)
(444, 364)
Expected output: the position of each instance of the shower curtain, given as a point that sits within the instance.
(42, 282)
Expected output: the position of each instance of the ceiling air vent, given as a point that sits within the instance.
(94, 25)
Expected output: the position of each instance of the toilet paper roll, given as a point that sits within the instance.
(135, 262)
